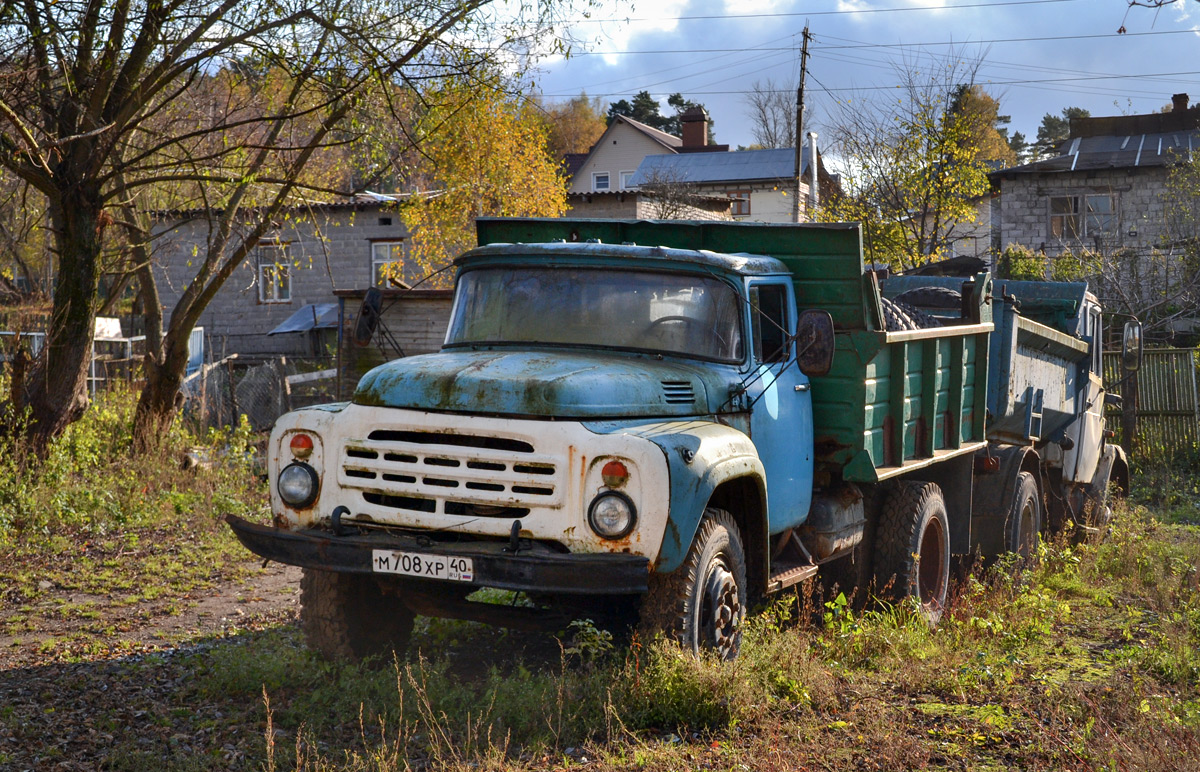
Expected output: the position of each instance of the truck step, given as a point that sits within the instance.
(788, 574)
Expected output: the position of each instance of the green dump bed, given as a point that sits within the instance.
(893, 401)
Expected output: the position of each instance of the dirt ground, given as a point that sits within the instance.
(150, 625)
(88, 693)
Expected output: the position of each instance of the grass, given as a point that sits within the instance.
(94, 530)
(1088, 660)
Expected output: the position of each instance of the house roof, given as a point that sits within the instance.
(573, 162)
(1115, 152)
(669, 141)
(740, 166)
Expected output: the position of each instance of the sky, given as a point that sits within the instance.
(1037, 56)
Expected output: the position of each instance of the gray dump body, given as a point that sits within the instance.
(1039, 356)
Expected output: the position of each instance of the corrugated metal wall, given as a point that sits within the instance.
(1168, 407)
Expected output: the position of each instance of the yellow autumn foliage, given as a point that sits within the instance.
(485, 154)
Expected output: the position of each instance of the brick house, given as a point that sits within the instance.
(1103, 190)
(296, 270)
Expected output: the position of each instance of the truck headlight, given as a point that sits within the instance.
(298, 485)
(612, 514)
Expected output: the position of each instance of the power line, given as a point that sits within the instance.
(889, 45)
(707, 17)
(984, 83)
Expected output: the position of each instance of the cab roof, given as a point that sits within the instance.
(587, 253)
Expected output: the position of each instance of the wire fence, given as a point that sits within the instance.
(220, 392)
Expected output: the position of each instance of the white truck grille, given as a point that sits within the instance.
(451, 474)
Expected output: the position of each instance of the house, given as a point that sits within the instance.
(1104, 202)
(600, 181)
(1105, 190)
(289, 281)
(761, 184)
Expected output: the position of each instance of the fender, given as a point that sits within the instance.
(701, 456)
(993, 494)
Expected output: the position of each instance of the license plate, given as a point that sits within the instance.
(448, 567)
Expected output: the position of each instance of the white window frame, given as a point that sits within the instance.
(596, 182)
(625, 178)
(378, 262)
(273, 273)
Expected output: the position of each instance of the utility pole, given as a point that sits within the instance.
(797, 211)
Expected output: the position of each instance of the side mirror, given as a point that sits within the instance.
(1131, 347)
(814, 342)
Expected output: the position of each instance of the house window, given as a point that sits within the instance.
(274, 274)
(1077, 217)
(387, 262)
(600, 181)
(1101, 215)
(1064, 217)
(625, 178)
(741, 202)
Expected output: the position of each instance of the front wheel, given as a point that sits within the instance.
(702, 604)
(348, 616)
(912, 554)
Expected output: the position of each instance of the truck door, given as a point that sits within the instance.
(1079, 463)
(781, 413)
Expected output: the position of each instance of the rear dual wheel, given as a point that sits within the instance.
(1024, 525)
(912, 552)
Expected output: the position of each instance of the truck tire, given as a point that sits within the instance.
(702, 604)
(347, 616)
(898, 317)
(1024, 525)
(942, 298)
(1097, 504)
(912, 551)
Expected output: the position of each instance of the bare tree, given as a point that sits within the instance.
(89, 116)
(671, 196)
(773, 112)
(911, 168)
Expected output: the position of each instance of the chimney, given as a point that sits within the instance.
(1179, 102)
(695, 127)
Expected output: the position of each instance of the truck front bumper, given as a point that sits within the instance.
(580, 574)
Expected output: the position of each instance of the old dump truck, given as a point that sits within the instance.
(685, 417)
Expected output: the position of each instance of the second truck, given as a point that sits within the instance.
(682, 418)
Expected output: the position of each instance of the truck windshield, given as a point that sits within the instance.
(691, 316)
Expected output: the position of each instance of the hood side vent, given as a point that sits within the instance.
(678, 392)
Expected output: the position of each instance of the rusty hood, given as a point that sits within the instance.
(543, 383)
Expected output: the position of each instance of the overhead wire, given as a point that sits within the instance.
(790, 14)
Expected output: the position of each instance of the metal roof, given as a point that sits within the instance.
(314, 316)
(740, 166)
(1115, 152)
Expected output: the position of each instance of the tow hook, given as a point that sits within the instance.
(514, 538)
(335, 520)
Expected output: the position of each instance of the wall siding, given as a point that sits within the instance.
(330, 252)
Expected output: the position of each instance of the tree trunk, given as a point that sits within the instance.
(157, 405)
(164, 368)
(56, 387)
